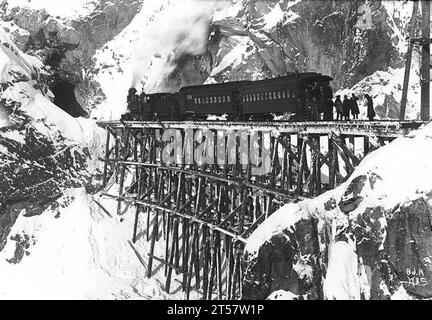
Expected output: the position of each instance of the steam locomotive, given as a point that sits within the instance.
(238, 100)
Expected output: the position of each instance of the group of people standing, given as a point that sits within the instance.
(350, 106)
(319, 105)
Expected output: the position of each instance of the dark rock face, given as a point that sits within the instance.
(409, 246)
(324, 38)
(288, 262)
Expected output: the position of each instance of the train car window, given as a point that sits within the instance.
(229, 99)
(266, 96)
(196, 100)
(279, 95)
(293, 94)
(283, 94)
(189, 97)
(223, 99)
(255, 97)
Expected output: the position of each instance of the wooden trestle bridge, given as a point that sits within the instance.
(204, 210)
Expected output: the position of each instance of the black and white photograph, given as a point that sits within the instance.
(215, 154)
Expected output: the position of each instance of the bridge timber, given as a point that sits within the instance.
(205, 210)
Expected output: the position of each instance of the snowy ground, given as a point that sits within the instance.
(79, 252)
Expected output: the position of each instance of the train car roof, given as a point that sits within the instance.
(157, 94)
(216, 86)
(318, 77)
(303, 77)
(295, 77)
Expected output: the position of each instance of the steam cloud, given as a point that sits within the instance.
(181, 27)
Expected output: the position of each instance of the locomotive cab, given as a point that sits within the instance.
(133, 105)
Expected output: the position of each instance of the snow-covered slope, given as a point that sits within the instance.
(76, 251)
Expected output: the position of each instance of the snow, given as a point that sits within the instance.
(77, 252)
(282, 295)
(399, 185)
(399, 13)
(64, 9)
(80, 131)
(282, 219)
(341, 282)
(229, 12)
(272, 18)
(14, 135)
(243, 48)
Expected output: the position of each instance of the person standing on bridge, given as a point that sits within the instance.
(338, 107)
(328, 110)
(346, 106)
(370, 107)
(316, 115)
(354, 106)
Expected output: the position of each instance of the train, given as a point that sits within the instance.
(290, 95)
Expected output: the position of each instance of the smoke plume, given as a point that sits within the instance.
(180, 27)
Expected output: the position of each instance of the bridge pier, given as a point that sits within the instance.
(203, 190)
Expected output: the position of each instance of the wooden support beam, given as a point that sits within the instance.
(425, 62)
(122, 170)
(287, 147)
(107, 145)
(173, 212)
(321, 156)
(231, 215)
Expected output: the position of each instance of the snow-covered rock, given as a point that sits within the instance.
(371, 235)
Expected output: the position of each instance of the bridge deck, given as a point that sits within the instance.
(383, 128)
